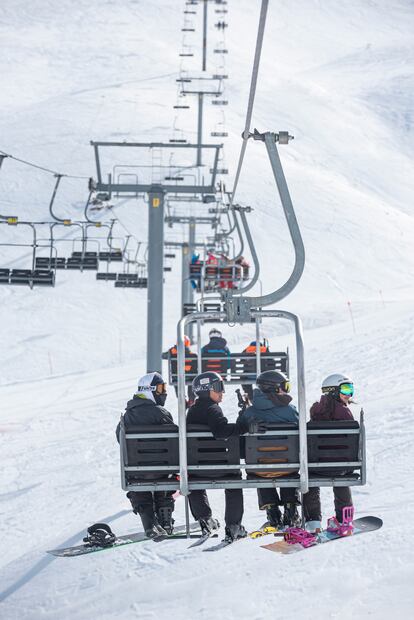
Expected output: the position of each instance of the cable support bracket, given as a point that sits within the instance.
(282, 137)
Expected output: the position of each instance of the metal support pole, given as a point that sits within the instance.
(199, 128)
(155, 278)
(258, 353)
(52, 200)
(205, 35)
(191, 250)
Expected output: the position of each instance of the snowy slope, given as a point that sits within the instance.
(339, 77)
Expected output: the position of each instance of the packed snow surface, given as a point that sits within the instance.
(339, 76)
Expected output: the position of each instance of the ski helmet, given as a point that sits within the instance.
(271, 380)
(215, 333)
(153, 387)
(338, 383)
(206, 381)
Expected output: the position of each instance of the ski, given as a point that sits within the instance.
(361, 526)
(128, 539)
(203, 538)
(265, 530)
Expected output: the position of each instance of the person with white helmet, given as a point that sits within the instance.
(337, 393)
(209, 389)
(147, 408)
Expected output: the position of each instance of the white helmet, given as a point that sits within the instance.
(331, 384)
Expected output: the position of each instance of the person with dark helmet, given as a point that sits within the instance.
(208, 388)
(147, 408)
(271, 404)
(337, 392)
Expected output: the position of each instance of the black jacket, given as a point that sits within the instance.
(206, 411)
(216, 345)
(141, 411)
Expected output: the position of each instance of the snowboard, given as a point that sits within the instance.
(361, 526)
(128, 539)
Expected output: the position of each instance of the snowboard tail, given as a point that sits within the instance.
(361, 526)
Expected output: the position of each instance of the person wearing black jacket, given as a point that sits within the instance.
(147, 408)
(209, 388)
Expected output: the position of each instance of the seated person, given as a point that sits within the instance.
(216, 346)
(271, 405)
(337, 392)
(209, 389)
(147, 407)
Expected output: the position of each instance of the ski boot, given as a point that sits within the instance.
(156, 532)
(165, 520)
(234, 532)
(274, 516)
(344, 528)
(209, 525)
(149, 521)
(291, 516)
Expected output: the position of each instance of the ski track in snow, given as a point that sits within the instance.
(71, 356)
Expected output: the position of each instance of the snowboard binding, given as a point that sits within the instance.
(99, 535)
(345, 528)
(294, 535)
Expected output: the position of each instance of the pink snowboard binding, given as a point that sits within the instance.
(345, 528)
(294, 535)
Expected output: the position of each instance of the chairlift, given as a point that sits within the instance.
(34, 276)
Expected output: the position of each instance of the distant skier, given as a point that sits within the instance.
(271, 404)
(249, 365)
(173, 351)
(337, 392)
(147, 408)
(209, 388)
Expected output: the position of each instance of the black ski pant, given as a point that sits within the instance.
(312, 502)
(270, 497)
(143, 501)
(200, 506)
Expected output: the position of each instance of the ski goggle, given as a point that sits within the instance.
(285, 386)
(161, 388)
(347, 389)
(217, 386)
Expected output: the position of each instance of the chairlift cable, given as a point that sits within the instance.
(253, 85)
(28, 163)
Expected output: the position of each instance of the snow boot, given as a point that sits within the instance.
(208, 525)
(291, 516)
(165, 520)
(313, 527)
(274, 516)
(234, 532)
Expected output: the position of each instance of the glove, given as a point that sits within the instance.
(257, 427)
